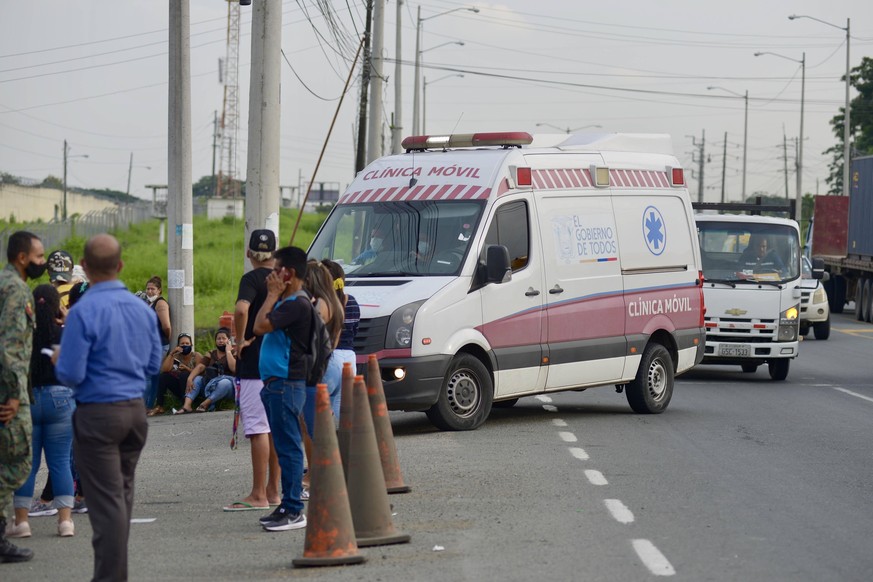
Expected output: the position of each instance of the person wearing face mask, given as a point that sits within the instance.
(175, 369)
(213, 375)
(377, 240)
(159, 305)
(26, 260)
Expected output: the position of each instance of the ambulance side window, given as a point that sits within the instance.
(510, 229)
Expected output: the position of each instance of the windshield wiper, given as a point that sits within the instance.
(754, 282)
(389, 274)
(730, 282)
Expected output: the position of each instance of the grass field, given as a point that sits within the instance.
(219, 254)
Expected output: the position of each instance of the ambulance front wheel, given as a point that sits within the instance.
(466, 395)
(650, 392)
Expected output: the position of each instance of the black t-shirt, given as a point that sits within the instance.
(253, 289)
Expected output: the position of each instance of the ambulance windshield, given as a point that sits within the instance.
(390, 239)
(750, 252)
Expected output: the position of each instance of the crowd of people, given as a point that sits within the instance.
(81, 372)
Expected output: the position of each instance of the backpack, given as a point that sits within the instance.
(309, 355)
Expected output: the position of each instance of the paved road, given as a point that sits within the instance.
(741, 479)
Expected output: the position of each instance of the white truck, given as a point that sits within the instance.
(493, 266)
(751, 270)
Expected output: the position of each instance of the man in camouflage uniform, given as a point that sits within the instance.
(26, 258)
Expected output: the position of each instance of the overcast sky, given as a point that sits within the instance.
(95, 73)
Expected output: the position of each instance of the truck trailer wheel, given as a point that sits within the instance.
(650, 392)
(838, 299)
(822, 329)
(779, 368)
(465, 399)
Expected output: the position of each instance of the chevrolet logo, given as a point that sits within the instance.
(736, 311)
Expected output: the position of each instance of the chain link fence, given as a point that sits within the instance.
(53, 233)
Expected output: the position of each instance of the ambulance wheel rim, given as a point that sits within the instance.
(656, 380)
(463, 393)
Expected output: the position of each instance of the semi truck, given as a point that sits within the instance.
(842, 237)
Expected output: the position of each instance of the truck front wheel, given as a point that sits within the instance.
(650, 392)
(779, 368)
(465, 398)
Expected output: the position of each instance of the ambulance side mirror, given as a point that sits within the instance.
(497, 268)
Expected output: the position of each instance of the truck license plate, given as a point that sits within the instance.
(734, 351)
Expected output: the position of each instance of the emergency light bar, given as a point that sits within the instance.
(467, 140)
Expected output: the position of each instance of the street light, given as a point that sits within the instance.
(566, 129)
(67, 155)
(130, 171)
(745, 130)
(424, 85)
(417, 86)
(802, 62)
(847, 150)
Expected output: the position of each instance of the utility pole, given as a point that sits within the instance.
(262, 172)
(723, 166)
(745, 142)
(374, 135)
(785, 158)
(397, 125)
(129, 172)
(701, 160)
(361, 153)
(180, 243)
(64, 214)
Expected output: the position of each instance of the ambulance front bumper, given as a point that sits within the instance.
(413, 383)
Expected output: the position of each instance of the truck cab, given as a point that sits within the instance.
(751, 275)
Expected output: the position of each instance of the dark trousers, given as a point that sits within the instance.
(173, 382)
(108, 439)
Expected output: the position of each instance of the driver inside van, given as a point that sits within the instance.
(759, 257)
(374, 246)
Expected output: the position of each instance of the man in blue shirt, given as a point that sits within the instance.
(286, 307)
(109, 348)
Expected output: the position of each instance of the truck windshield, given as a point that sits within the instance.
(385, 239)
(756, 252)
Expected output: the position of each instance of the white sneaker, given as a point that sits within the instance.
(66, 529)
(18, 530)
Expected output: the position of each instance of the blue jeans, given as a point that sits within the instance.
(333, 377)
(151, 387)
(52, 413)
(283, 401)
(218, 388)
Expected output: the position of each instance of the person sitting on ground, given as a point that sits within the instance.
(175, 370)
(759, 257)
(213, 375)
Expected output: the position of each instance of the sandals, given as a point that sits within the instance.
(155, 411)
(181, 411)
(201, 408)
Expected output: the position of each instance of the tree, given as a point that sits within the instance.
(53, 182)
(861, 78)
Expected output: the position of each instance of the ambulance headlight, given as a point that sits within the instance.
(399, 333)
(788, 324)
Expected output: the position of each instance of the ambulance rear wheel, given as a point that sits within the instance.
(465, 399)
(650, 392)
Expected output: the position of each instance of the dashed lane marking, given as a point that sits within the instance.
(567, 437)
(542, 398)
(550, 408)
(559, 422)
(652, 558)
(619, 511)
(596, 477)
(579, 453)
(855, 394)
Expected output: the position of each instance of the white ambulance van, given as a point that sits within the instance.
(493, 266)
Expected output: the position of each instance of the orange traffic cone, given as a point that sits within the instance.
(384, 433)
(330, 533)
(346, 413)
(366, 483)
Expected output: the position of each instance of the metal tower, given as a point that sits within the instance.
(227, 185)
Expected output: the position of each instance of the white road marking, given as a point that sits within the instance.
(596, 477)
(550, 408)
(855, 394)
(559, 422)
(619, 511)
(543, 398)
(567, 437)
(579, 453)
(652, 558)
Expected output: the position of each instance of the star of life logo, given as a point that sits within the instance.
(654, 230)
